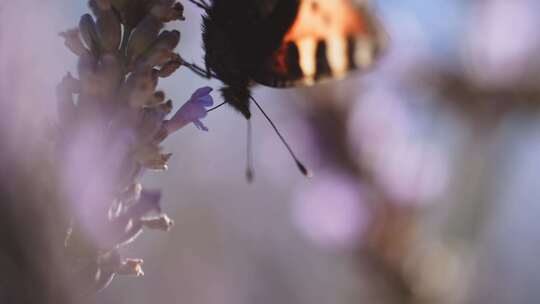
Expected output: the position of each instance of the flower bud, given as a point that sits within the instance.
(73, 41)
(108, 29)
(161, 50)
(87, 28)
(140, 87)
(163, 223)
(110, 72)
(142, 37)
(166, 13)
(170, 67)
(151, 158)
(132, 267)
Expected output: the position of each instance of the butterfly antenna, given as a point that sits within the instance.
(299, 164)
(249, 153)
(216, 107)
(201, 4)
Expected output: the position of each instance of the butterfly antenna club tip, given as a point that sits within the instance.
(249, 153)
(249, 175)
(299, 164)
(303, 169)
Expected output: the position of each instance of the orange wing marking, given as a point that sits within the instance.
(329, 20)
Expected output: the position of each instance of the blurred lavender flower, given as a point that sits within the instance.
(111, 121)
(332, 211)
(384, 136)
(492, 46)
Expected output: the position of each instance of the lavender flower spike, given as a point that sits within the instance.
(192, 111)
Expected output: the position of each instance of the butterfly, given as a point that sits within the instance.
(284, 43)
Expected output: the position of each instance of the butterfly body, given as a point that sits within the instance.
(284, 43)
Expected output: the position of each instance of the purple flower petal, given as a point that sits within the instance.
(206, 101)
(192, 111)
(201, 92)
(200, 125)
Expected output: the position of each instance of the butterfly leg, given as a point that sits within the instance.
(205, 73)
(201, 3)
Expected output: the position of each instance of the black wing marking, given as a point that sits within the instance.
(320, 45)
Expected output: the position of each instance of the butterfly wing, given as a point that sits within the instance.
(327, 39)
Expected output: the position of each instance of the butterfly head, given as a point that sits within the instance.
(238, 97)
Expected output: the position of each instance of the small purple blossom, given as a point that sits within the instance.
(192, 111)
